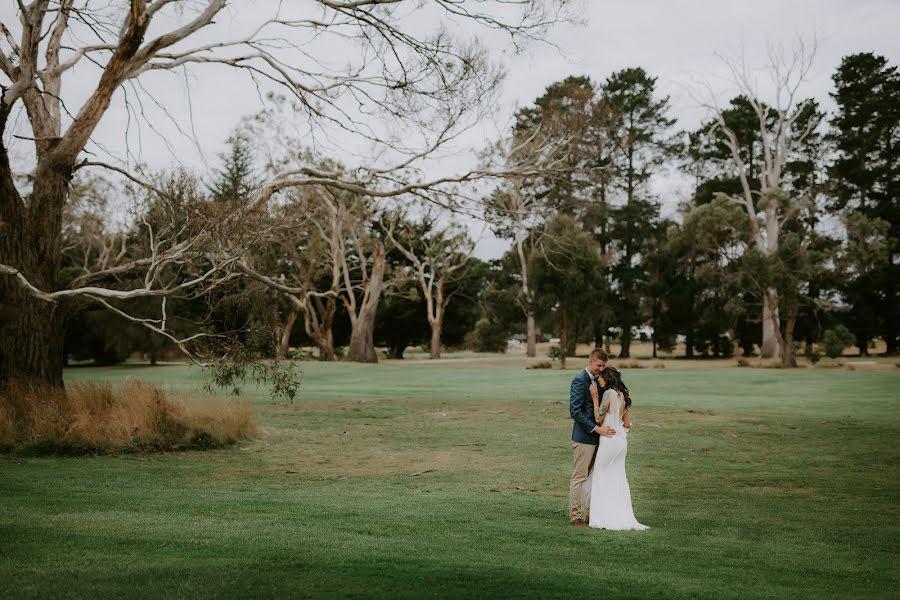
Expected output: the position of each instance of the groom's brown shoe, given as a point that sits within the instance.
(579, 523)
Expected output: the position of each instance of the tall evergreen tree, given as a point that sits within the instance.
(642, 131)
(236, 180)
(865, 179)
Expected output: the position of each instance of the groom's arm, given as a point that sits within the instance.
(576, 393)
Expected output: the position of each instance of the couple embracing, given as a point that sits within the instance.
(599, 404)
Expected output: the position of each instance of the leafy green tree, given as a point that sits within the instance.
(437, 255)
(236, 180)
(835, 340)
(861, 262)
(568, 276)
(707, 250)
(865, 180)
(661, 286)
(642, 130)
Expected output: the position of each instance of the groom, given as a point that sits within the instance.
(585, 432)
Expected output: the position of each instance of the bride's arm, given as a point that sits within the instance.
(626, 419)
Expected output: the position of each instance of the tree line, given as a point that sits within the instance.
(788, 238)
(790, 233)
(325, 226)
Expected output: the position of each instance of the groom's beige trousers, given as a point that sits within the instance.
(584, 455)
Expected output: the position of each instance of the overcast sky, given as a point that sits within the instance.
(675, 40)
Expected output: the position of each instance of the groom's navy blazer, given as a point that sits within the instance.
(581, 408)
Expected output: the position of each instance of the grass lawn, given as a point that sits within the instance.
(450, 480)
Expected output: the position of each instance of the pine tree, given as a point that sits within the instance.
(642, 130)
(865, 179)
(236, 180)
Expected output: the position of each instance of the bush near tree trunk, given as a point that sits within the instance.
(835, 340)
(488, 336)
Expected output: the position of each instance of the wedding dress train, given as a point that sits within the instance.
(607, 490)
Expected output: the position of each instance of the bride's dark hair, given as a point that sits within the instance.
(613, 380)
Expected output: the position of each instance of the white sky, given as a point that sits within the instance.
(676, 40)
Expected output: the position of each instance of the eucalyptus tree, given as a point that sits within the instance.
(437, 254)
(782, 124)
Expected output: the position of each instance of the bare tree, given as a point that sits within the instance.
(409, 81)
(781, 130)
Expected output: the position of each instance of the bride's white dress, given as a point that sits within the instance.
(606, 488)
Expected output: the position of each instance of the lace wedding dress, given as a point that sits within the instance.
(606, 489)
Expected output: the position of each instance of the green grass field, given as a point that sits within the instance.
(450, 480)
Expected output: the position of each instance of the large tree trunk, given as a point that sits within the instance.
(770, 331)
(789, 360)
(31, 330)
(436, 320)
(626, 341)
(362, 337)
(362, 345)
(285, 342)
(436, 326)
(32, 339)
(326, 345)
(531, 347)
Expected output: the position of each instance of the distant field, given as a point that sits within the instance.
(449, 479)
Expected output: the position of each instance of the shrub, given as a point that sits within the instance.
(488, 336)
(743, 362)
(631, 364)
(812, 354)
(97, 417)
(544, 364)
(659, 365)
(836, 339)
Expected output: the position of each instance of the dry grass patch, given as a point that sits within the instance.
(544, 364)
(630, 364)
(99, 417)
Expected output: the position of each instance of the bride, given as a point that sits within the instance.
(606, 489)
